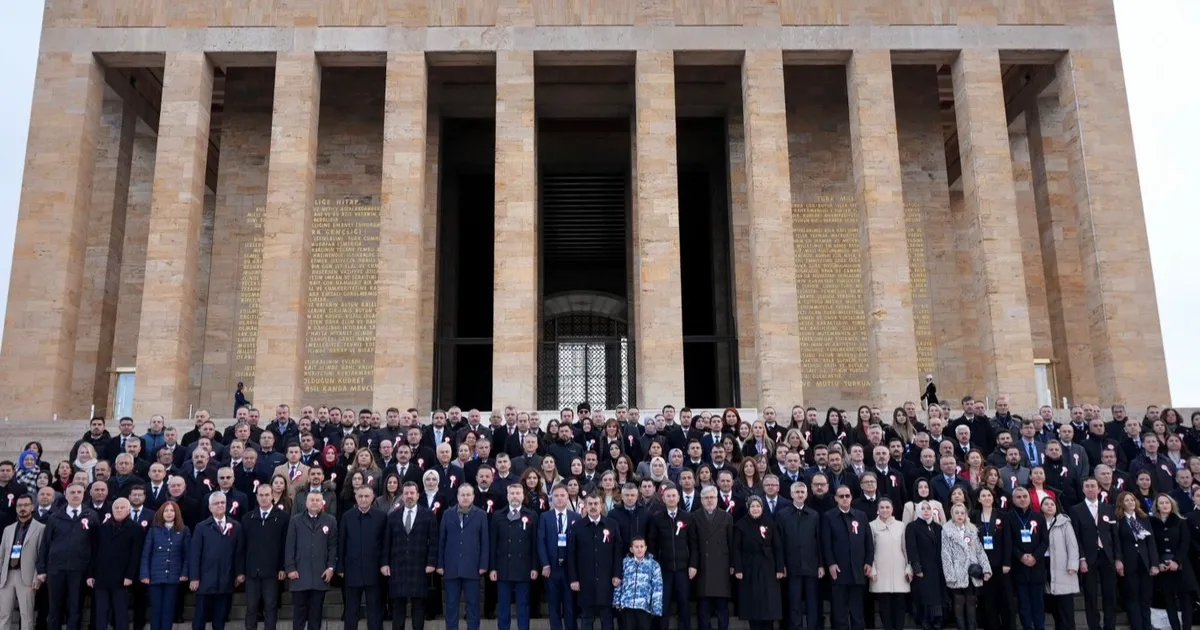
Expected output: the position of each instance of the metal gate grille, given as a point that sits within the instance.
(585, 358)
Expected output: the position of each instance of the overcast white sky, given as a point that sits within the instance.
(1162, 69)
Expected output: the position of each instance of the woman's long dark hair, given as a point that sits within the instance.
(178, 524)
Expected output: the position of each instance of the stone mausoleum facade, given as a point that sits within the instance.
(537, 202)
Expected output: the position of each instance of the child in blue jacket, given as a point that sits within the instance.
(640, 595)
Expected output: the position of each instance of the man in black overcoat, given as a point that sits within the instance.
(848, 550)
(594, 564)
(410, 549)
(514, 559)
(360, 539)
(265, 529)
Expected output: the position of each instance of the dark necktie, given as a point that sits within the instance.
(561, 524)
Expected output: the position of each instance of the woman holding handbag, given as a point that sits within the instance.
(964, 563)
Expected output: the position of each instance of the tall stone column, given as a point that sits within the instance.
(516, 306)
(402, 272)
(772, 244)
(56, 194)
(1122, 305)
(102, 261)
(657, 300)
(1058, 238)
(287, 232)
(743, 268)
(887, 290)
(166, 333)
(995, 244)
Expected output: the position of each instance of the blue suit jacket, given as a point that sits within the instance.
(463, 550)
(548, 536)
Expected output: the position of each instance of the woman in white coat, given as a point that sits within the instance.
(891, 573)
(1064, 564)
(961, 549)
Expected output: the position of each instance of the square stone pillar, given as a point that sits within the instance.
(38, 352)
(287, 232)
(995, 245)
(1122, 305)
(166, 332)
(887, 290)
(772, 244)
(102, 260)
(658, 310)
(1058, 239)
(517, 304)
(427, 347)
(743, 269)
(402, 272)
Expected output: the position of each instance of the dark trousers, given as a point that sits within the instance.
(636, 619)
(995, 609)
(139, 599)
(353, 596)
(214, 607)
(705, 610)
(466, 590)
(306, 608)
(1177, 603)
(114, 602)
(588, 615)
(262, 596)
(162, 605)
(41, 597)
(1100, 594)
(964, 607)
(489, 599)
(1030, 600)
(506, 591)
(891, 610)
(66, 595)
(400, 607)
(676, 587)
(560, 601)
(847, 607)
(804, 602)
(1064, 612)
(1138, 594)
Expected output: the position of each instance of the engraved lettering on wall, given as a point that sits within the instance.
(832, 323)
(919, 277)
(247, 308)
(341, 296)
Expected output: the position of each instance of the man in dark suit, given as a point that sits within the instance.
(632, 519)
(410, 549)
(310, 557)
(552, 553)
(800, 529)
(216, 564)
(1095, 525)
(118, 444)
(848, 550)
(156, 488)
(673, 542)
(463, 556)
(360, 539)
(594, 553)
(1029, 541)
(65, 555)
(942, 484)
(265, 528)
(514, 558)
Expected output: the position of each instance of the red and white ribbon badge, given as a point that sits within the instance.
(524, 522)
(324, 529)
(606, 535)
(854, 526)
(84, 523)
(679, 527)
(762, 531)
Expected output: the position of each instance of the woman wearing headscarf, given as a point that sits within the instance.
(965, 564)
(1064, 564)
(27, 470)
(758, 566)
(890, 575)
(923, 541)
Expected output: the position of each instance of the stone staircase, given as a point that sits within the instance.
(56, 437)
(334, 609)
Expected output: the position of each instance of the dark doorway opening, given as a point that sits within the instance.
(466, 248)
(586, 354)
(709, 337)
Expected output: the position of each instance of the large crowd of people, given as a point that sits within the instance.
(630, 517)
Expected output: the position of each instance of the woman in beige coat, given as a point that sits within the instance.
(1064, 564)
(891, 573)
